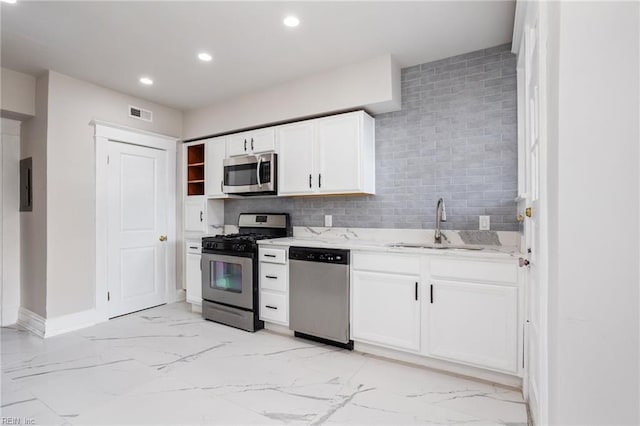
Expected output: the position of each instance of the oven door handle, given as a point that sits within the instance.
(258, 171)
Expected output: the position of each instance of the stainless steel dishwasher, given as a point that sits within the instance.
(319, 295)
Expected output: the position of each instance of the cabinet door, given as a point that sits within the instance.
(262, 140)
(295, 160)
(194, 279)
(194, 220)
(474, 323)
(386, 310)
(339, 157)
(238, 145)
(215, 151)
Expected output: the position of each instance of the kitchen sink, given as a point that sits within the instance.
(434, 246)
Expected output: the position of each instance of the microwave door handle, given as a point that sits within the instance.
(258, 171)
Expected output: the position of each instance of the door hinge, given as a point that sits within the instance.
(108, 296)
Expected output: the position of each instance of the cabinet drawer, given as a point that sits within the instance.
(274, 307)
(475, 270)
(387, 262)
(273, 255)
(273, 276)
(193, 247)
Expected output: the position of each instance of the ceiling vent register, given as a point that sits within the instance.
(140, 114)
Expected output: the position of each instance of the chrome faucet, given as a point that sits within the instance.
(441, 216)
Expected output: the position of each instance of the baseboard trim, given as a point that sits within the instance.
(453, 368)
(31, 321)
(70, 322)
(179, 295)
(10, 315)
(49, 327)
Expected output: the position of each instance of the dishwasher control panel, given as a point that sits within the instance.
(322, 255)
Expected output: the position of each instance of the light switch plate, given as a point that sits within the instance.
(485, 223)
(328, 220)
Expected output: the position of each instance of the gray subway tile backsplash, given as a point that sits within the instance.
(455, 137)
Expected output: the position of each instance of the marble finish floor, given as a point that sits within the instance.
(168, 366)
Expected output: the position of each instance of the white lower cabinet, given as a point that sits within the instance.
(193, 273)
(274, 307)
(386, 309)
(460, 309)
(273, 279)
(474, 323)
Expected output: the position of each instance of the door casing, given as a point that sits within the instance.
(104, 133)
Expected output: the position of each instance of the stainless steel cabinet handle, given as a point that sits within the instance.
(201, 216)
(221, 186)
(251, 144)
(319, 180)
(271, 277)
(194, 248)
(431, 291)
(269, 255)
(245, 144)
(271, 307)
(416, 290)
(309, 180)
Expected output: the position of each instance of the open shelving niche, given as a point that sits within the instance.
(195, 169)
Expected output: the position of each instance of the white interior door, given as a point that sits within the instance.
(137, 212)
(533, 147)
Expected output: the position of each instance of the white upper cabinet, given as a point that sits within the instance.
(253, 142)
(330, 155)
(339, 147)
(215, 151)
(296, 158)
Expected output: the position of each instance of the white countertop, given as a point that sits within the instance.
(487, 251)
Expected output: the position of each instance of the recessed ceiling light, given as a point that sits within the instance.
(291, 21)
(146, 81)
(9, 1)
(204, 56)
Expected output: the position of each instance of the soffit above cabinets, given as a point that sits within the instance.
(251, 48)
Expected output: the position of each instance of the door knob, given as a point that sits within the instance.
(163, 238)
(528, 212)
(523, 262)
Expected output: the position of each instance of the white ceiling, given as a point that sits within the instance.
(114, 43)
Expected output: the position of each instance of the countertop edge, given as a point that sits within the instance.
(487, 252)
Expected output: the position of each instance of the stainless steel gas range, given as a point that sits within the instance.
(230, 270)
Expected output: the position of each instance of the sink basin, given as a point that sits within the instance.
(434, 246)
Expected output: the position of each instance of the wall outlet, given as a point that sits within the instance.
(328, 220)
(485, 223)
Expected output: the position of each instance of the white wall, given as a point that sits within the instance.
(594, 209)
(18, 94)
(10, 228)
(71, 182)
(33, 224)
(374, 84)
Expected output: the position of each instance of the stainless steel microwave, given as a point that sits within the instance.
(251, 174)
